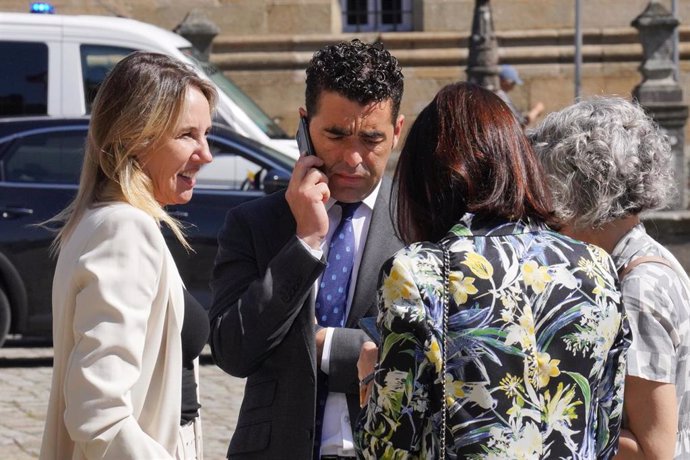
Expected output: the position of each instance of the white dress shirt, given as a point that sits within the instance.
(336, 432)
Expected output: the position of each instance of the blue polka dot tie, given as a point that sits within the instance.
(331, 300)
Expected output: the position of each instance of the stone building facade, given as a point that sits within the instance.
(264, 45)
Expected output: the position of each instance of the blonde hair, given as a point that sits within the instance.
(136, 109)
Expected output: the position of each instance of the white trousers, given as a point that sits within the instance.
(186, 443)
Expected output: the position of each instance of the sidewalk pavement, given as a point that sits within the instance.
(25, 374)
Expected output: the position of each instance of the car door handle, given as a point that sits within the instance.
(178, 214)
(11, 212)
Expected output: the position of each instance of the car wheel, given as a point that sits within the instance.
(5, 317)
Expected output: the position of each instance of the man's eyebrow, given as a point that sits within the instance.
(373, 134)
(338, 131)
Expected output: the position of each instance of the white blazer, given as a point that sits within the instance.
(118, 309)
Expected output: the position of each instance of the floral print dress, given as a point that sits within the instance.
(535, 348)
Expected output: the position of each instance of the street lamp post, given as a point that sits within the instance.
(676, 42)
(578, 49)
(482, 64)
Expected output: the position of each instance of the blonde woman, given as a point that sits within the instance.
(126, 336)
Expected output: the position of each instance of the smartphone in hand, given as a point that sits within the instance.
(368, 325)
(303, 139)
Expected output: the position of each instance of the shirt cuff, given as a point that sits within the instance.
(326, 353)
(317, 253)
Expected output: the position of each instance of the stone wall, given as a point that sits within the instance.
(456, 15)
(271, 17)
(672, 229)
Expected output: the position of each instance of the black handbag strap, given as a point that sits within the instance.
(444, 403)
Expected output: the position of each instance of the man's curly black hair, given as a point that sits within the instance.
(361, 72)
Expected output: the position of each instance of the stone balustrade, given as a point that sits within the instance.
(419, 49)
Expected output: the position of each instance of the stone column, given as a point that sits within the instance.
(482, 64)
(659, 93)
(199, 30)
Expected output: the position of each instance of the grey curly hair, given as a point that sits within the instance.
(605, 159)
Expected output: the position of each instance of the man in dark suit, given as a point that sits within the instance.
(276, 318)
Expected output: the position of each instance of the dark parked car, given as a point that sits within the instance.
(40, 163)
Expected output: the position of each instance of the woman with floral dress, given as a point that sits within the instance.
(535, 332)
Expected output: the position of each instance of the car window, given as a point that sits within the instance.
(96, 62)
(229, 171)
(23, 78)
(53, 157)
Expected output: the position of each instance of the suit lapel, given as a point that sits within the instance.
(381, 244)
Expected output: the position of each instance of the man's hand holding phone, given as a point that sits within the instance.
(307, 194)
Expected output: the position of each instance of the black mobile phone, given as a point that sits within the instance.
(368, 325)
(303, 139)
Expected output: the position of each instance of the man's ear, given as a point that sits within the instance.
(397, 129)
(303, 112)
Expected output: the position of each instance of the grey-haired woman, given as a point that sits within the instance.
(606, 163)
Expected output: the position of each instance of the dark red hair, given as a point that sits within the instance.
(466, 152)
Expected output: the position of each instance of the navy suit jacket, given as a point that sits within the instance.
(262, 323)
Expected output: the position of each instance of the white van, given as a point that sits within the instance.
(52, 65)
